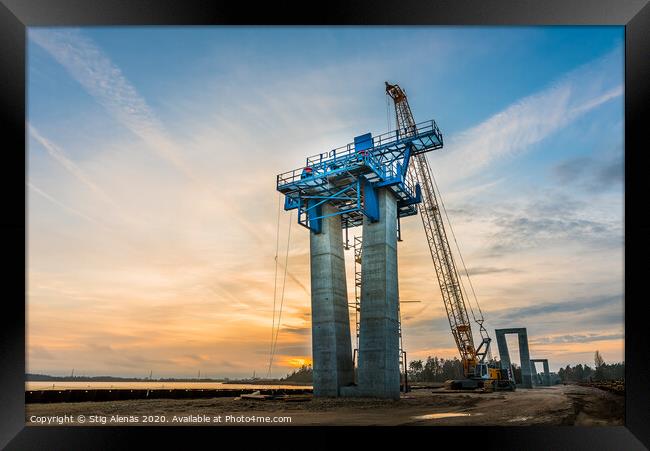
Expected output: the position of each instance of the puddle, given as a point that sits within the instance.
(517, 419)
(436, 416)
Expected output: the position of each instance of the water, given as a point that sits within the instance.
(151, 385)
(436, 416)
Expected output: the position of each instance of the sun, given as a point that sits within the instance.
(297, 362)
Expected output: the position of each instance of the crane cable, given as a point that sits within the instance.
(388, 102)
(480, 321)
(462, 285)
(275, 278)
(284, 284)
(461, 259)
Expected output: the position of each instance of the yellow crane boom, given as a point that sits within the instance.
(443, 259)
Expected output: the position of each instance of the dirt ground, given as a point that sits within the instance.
(557, 405)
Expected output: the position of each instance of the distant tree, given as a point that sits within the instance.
(614, 371)
(435, 369)
(452, 369)
(432, 369)
(603, 371)
(304, 374)
(600, 367)
(579, 372)
(598, 359)
(415, 370)
(416, 365)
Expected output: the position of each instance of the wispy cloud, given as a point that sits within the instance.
(590, 173)
(519, 232)
(576, 338)
(60, 156)
(480, 270)
(63, 206)
(565, 306)
(532, 119)
(103, 80)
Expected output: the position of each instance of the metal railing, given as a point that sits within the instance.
(347, 155)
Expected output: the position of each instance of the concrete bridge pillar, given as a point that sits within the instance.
(533, 372)
(547, 373)
(524, 353)
(378, 341)
(545, 379)
(331, 343)
(504, 354)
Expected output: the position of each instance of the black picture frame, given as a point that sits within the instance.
(16, 15)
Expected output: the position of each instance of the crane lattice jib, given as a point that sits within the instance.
(443, 259)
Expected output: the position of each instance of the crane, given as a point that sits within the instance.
(477, 371)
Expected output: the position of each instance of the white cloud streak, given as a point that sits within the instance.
(531, 119)
(103, 80)
(63, 206)
(60, 156)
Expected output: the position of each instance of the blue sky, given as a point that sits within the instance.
(153, 152)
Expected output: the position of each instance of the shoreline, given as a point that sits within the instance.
(124, 394)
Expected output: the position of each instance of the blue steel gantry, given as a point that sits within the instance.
(348, 177)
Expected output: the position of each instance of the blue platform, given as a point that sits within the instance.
(349, 176)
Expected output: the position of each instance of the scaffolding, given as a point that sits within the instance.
(357, 285)
(348, 176)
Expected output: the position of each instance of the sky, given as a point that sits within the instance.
(153, 215)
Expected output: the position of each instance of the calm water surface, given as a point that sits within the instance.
(62, 385)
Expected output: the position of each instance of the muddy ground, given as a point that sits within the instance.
(557, 405)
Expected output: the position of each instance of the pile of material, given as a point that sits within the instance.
(617, 387)
(257, 396)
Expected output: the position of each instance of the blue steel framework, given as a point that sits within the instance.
(349, 176)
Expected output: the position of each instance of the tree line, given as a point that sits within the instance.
(303, 374)
(601, 371)
(435, 369)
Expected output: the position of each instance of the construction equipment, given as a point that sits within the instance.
(479, 371)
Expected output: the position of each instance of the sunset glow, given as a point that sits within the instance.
(152, 210)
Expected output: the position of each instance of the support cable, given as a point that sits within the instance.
(284, 284)
(460, 255)
(388, 114)
(275, 279)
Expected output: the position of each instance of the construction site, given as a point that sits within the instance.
(374, 183)
(326, 225)
(354, 198)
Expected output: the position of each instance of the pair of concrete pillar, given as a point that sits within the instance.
(546, 376)
(378, 341)
(524, 353)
